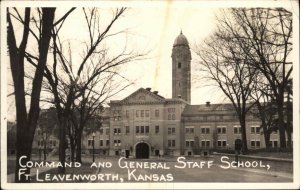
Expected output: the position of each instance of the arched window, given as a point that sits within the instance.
(179, 65)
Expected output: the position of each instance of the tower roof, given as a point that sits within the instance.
(181, 40)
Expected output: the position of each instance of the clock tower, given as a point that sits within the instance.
(181, 69)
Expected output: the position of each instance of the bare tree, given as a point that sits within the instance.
(226, 65)
(89, 105)
(27, 121)
(265, 36)
(70, 83)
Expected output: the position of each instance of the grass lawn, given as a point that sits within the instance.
(84, 169)
(284, 155)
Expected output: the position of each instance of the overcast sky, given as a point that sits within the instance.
(155, 28)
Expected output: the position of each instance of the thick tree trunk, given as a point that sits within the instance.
(23, 156)
(243, 131)
(267, 137)
(26, 123)
(78, 146)
(281, 125)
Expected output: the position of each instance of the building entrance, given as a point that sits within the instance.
(142, 150)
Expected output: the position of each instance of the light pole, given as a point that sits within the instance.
(93, 134)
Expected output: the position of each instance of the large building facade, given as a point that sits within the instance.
(145, 124)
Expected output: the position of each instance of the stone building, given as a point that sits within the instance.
(145, 124)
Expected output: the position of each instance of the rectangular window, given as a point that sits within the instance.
(173, 116)
(169, 116)
(257, 144)
(137, 113)
(107, 131)
(127, 129)
(117, 142)
(90, 142)
(173, 143)
(187, 143)
(189, 129)
(171, 130)
(207, 143)
(221, 143)
(142, 113)
(169, 143)
(101, 131)
(224, 144)
(127, 113)
(221, 130)
(237, 130)
(137, 129)
(147, 129)
(255, 129)
(156, 113)
(117, 131)
(147, 113)
(101, 142)
(156, 129)
(192, 143)
(142, 129)
(107, 142)
(205, 130)
(202, 143)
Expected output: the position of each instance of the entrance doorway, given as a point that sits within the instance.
(142, 150)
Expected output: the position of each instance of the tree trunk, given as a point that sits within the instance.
(281, 125)
(266, 133)
(289, 139)
(62, 145)
(78, 146)
(23, 148)
(243, 131)
(26, 123)
(45, 150)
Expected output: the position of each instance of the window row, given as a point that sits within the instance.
(189, 143)
(142, 129)
(171, 110)
(102, 131)
(255, 143)
(255, 129)
(222, 143)
(102, 142)
(171, 130)
(171, 117)
(222, 130)
(142, 113)
(171, 143)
